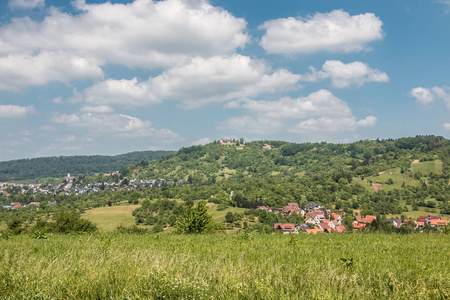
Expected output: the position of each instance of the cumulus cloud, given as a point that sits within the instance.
(318, 103)
(25, 4)
(143, 33)
(120, 92)
(426, 96)
(336, 31)
(118, 124)
(422, 95)
(251, 124)
(202, 141)
(18, 70)
(101, 109)
(15, 111)
(319, 111)
(215, 79)
(345, 75)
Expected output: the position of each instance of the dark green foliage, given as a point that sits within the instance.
(66, 222)
(76, 165)
(131, 230)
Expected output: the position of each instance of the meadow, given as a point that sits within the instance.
(219, 266)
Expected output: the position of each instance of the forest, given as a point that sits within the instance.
(51, 167)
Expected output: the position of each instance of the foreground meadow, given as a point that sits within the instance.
(119, 266)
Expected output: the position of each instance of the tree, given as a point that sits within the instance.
(229, 217)
(195, 219)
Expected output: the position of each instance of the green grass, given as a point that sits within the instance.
(421, 212)
(114, 266)
(219, 215)
(397, 177)
(426, 167)
(109, 217)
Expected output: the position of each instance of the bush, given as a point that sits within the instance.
(67, 222)
(131, 230)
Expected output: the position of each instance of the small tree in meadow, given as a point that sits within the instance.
(195, 219)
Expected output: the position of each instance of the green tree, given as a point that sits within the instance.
(229, 217)
(195, 219)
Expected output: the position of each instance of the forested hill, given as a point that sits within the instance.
(213, 162)
(33, 168)
(404, 176)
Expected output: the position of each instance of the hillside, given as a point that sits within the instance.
(411, 175)
(43, 167)
(403, 178)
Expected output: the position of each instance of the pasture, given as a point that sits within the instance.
(239, 266)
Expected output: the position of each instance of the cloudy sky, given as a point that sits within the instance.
(89, 77)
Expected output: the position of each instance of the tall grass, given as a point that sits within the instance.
(116, 266)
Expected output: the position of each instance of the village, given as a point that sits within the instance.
(70, 187)
(318, 219)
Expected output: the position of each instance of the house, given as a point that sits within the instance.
(285, 227)
(267, 209)
(324, 226)
(334, 223)
(438, 223)
(420, 224)
(428, 219)
(227, 142)
(267, 146)
(336, 217)
(358, 226)
(395, 222)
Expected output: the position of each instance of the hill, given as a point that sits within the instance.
(391, 177)
(43, 167)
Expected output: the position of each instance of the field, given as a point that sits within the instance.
(426, 167)
(115, 266)
(109, 217)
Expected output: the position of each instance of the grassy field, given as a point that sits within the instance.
(109, 217)
(115, 266)
(427, 166)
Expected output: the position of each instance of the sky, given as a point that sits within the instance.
(93, 77)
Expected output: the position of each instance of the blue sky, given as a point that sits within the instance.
(89, 77)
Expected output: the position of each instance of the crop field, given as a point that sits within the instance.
(239, 266)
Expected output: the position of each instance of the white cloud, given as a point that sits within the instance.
(145, 34)
(370, 121)
(336, 31)
(26, 4)
(422, 95)
(251, 124)
(334, 124)
(318, 103)
(99, 124)
(426, 96)
(215, 79)
(15, 111)
(202, 141)
(18, 70)
(345, 75)
(120, 92)
(101, 109)
(319, 111)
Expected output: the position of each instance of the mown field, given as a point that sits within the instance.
(239, 266)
